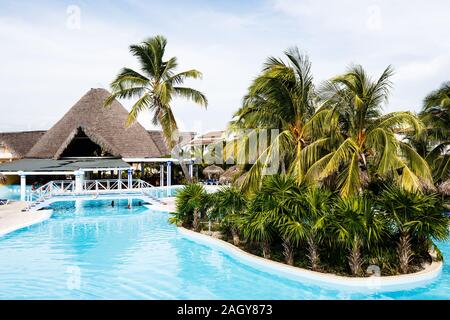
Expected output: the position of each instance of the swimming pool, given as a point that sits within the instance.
(90, 250)
(11, 192)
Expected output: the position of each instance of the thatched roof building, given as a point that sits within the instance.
(89, 129)
(231, 174)
(17, 144)
(89, 139)
(213, 170)
(89, 121)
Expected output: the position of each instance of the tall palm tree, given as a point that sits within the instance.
(415, 216)
(230, 204)
(365, 144)
(436, 140)
(155, 86)
(282, 97)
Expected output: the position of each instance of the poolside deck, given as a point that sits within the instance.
(13, 218)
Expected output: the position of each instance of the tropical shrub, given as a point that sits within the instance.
(416, 218)
(356, 225)
(228, 206)
(191, 200)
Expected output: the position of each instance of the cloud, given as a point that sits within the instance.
(48, 62)
(422, 70)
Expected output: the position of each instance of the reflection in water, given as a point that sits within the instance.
(92, 250)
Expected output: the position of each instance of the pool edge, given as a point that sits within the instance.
(373, 283)
(46, 214)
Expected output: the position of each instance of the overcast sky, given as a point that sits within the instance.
(52, 52)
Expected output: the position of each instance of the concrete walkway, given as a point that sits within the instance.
(167, 204)
(12, 218)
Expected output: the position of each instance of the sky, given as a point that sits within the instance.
(53, 52)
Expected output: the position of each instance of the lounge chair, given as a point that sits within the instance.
(4, 202)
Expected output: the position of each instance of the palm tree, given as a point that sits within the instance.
(319, 203)
(356, 224)
(230, 204)
(416, 216)
(273, 207)
(282, 97)
(190, 201)
(155, 86)
(365, 145)
(435, 142)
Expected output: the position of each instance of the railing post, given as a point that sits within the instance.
(78, 183)
(23, 185)
(130, 178)
(161, 175)
(169, 173)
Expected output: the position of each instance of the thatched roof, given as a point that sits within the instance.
(19, 143)
(444, 188)
(240, 181)
(230, 174)
(213, 169)
(103, 126)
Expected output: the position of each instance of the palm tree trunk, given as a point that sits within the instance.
(288, 252)
(185, 171)
(283, 164)
(265, 245)
(235, 234)
(178, 152)
(195, 223)
(354, 259)
(313, 253)
(404, 251)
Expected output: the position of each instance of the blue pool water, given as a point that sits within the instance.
(90, 250)
(11, 192)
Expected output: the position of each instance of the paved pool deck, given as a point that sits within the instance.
(12, 217)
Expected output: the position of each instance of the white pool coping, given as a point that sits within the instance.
(366, 284)
(32, 219)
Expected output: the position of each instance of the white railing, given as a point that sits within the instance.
(68, 187)
(51, 188)
(100, 185)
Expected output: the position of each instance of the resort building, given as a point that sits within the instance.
(15, 145)
(90, 141)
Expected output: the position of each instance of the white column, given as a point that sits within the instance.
(161, 175)
(23, 186)
(78, 182)
(119, 178)
(169, 173)
(130, 178)
(191, 169)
